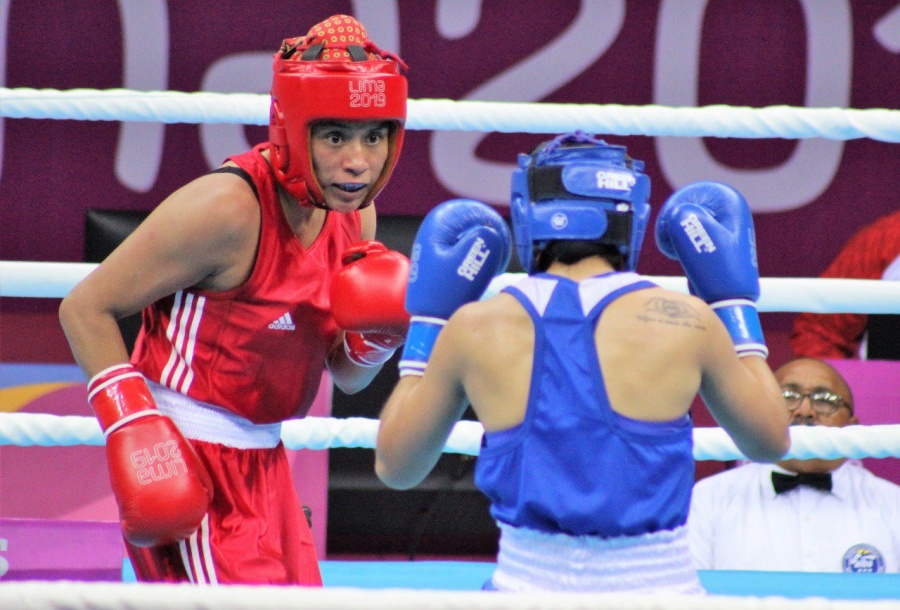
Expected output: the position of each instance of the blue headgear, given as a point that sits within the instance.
(576, 187)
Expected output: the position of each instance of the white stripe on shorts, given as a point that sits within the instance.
(197, 557)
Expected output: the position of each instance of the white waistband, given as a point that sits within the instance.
(205, 422)
(530, 560)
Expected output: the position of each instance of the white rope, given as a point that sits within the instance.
(41, 280)
(64, 595)
(809, 442)
(450, 115)
(317, 433)
(817, 295)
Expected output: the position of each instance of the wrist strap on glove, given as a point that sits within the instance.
(423, 332)
(118, 396)
(741, 318)
(370, 349)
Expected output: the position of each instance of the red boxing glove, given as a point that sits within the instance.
(162, 489)
(367, 300)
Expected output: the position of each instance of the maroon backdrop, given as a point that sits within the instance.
(752, 52)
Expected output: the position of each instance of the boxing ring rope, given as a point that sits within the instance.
(54, 280)
(449, 115)
(82, 596)
(29, 279)
(40, 429)
(788, 294)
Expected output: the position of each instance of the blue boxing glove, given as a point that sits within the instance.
(461, 245)
(708, 228)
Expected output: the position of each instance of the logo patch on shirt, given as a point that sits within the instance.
(283, 323)
(863, 558)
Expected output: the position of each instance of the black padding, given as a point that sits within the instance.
(356, 52)
(312, 52)
(618, 229)
(104, 231)
(884, 337)
(545, 182)
(240, 172)
(286, 54)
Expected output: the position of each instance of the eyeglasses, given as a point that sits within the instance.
(823, 402)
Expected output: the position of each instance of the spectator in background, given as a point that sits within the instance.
(799, 515)
(872, 253)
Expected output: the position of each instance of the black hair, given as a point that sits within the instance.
(570, 252)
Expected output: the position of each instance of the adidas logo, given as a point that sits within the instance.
(283, 323)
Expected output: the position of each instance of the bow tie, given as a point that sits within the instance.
(786, 482)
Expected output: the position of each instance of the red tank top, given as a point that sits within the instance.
(257, 350)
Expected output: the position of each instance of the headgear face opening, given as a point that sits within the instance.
(576, 187)
(334, 72)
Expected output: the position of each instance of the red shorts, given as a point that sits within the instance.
(255, 531)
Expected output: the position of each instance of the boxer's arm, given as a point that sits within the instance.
(195, 236)
(420, 413)
(742, 395)
(459, 247)
(204, 235)
(348, 376)
(708, 227)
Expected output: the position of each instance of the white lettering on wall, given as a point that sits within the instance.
(453, 157)
(145, 36)
(145, 33)
(4, 36)
(887, 30)
(241, 72)
(804, 176)
(814, 161)
(382, 20)
(457, 18)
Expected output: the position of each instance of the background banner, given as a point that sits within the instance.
(808, 195)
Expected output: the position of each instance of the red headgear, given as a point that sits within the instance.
(334, 72)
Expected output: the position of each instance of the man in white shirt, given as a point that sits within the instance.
(799, 515)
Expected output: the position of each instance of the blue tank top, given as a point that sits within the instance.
(574, 465)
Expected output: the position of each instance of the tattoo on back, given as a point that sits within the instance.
(672, 312)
